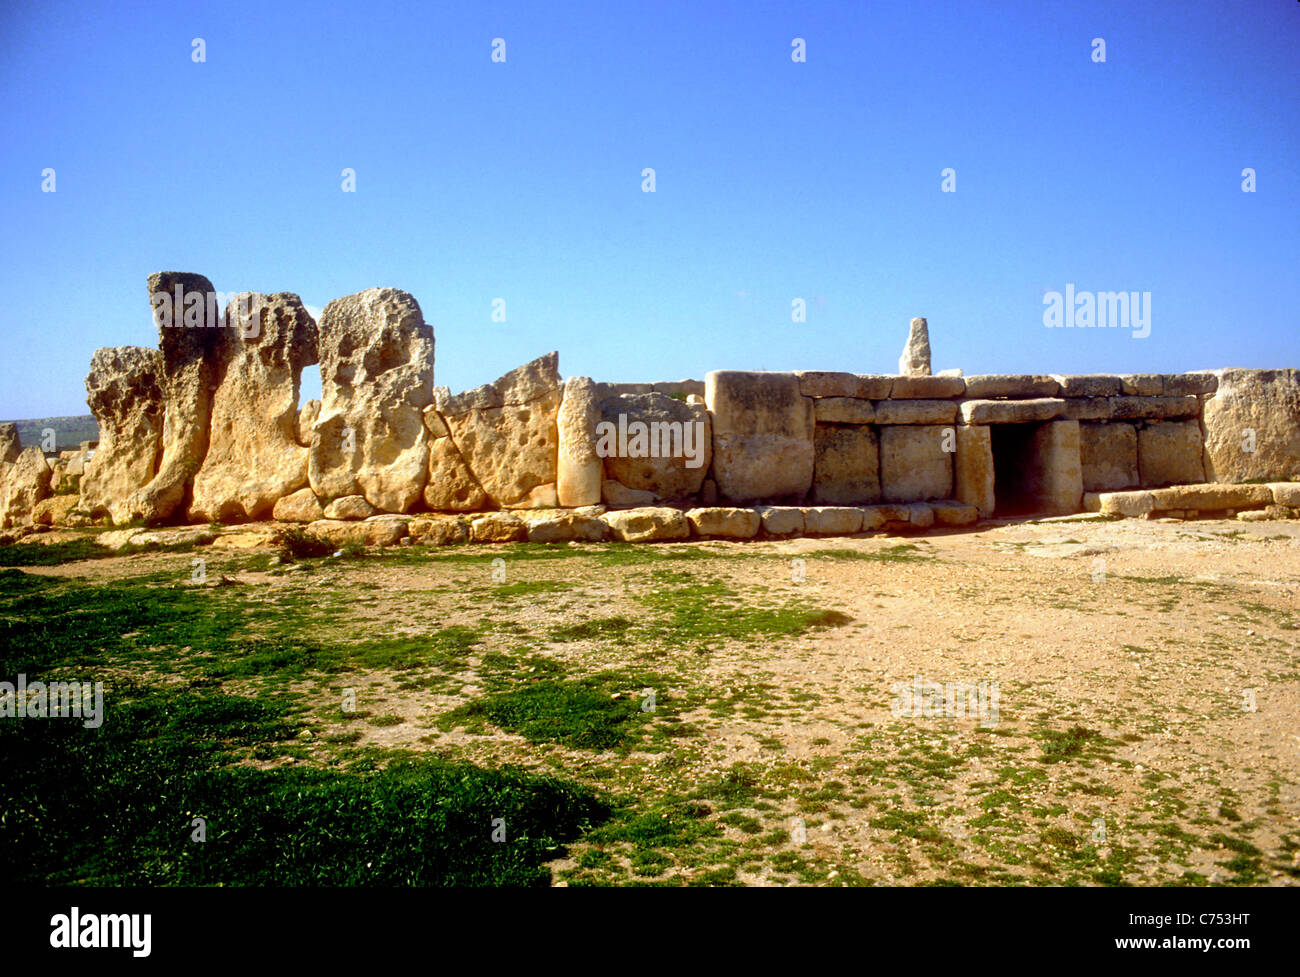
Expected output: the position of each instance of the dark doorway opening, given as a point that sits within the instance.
(1016, 469)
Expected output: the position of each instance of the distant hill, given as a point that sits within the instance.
(69, 432)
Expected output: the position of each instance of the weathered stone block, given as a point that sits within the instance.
(843, 410)
(579, 470)
(1169, 453)
(916, 412)
(782, 520)
(1109, 456)
(973, 464)
(724, 521)
(950, 513)
(1011, 411)
(762, 435)
(647, 524)
(913, 465)
(990, 386)
(832, 520)
(1252, 426)
(1212, 496)
(926, 388)
(653, 443)
(1089, 385)
(1056, 478)
(846, 470)
(1153, 408)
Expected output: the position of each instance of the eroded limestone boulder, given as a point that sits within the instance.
(24, 482)
(125, 392)
(188, 342)
(254, 458)
(376, 355)
(300, 506)
(452, 487)
(1169, 453)
(1109, 456)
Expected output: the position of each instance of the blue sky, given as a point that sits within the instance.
(775, 180)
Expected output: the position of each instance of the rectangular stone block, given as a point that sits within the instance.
(1286, 493)
(916, 412)
(1153, 408)
(1131, 504)
(1011, 385)
(1011, 411)
(1088, 409)
(1090, 385)
(948, 512)
(822, 383)
(843, 410)
(832, 520)
(1109, 455)
(922, 388)
(762, 435)
(1056, 477)
(724, 521)
(680, 388)
(974, 468)
(1142, 384)
(1169, 453)
(846, 468)
(913, 465)
(781, 520)
(874, 386)
(1189, 384)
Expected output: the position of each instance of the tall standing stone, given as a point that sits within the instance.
(253, 457)
(579, 470)
(1252, 426)
(376, 356)
(915, 361)
(189, 331)
(124, 390)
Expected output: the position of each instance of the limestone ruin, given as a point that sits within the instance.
(208, 428)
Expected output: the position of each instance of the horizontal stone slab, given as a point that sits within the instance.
(843, 410)
(924, 388)
(916, 411)
(1188, 384)
(1090, 385)
(1153, 408)
(680, 389)
(824, 383)
(1124, 503)
(1011, 411)
(1212, 496)
(990, 386)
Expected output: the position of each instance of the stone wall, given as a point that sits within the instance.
(209, 427)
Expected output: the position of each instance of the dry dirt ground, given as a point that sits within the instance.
(744, 704)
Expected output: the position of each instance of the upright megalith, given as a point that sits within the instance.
(24, 482)
(253, 456)
(1252, 426)
(10, 443)
(579, 470)
(189, 332)
(124, 390)
(915, 361)
(376, 356)
(507, 433)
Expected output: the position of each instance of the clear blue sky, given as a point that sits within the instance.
(775, 180)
